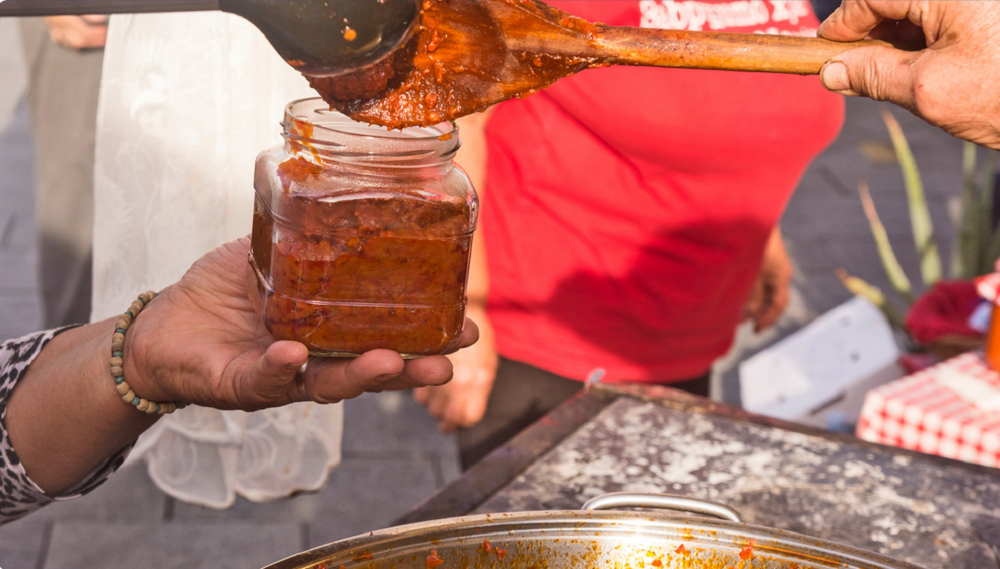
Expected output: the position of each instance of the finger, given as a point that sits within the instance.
(470, 335)
(422, 372)
(450, 412)
(96, 19)
(271, 378)
(437, 403)
(464, 366)
(331, 380)
(851, 21)
(81, 35)
(421, 395)
(881, 73)
(94, 37)
(454, 412)
(473, 405)
(773, 309)
(755, 301)
(855, 19)
(476, 409)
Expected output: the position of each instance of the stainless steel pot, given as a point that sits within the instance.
(592, 538)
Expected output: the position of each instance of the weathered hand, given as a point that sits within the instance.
(771, 292)
(78, 32)
(201, 342)
(952, 84)
(462, 401)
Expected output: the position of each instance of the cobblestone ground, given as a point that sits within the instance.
(393, 456)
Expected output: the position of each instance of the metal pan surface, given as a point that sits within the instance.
(589, 539)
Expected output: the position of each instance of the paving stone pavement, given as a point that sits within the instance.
(825, 225)
(825, 228)
(393, 456)
(19, 303)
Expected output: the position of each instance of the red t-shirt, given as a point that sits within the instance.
(626, 209)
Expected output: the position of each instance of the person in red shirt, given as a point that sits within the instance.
(628, 214)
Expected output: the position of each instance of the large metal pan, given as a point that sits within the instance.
(592, 538)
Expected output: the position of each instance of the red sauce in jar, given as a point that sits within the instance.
(360, 272)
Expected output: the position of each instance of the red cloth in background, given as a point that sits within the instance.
(945, 309)
(626, 209)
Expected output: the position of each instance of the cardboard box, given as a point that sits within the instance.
(820, 375)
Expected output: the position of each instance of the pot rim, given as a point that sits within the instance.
(424, 536)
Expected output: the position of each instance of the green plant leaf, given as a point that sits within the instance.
(860, 287)
(920, 217)
(889, 262)
(970, 239)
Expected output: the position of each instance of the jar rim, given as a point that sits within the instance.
(316, 113)
(330, 135)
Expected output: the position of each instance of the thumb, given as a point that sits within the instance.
(271, 378)
(881, 73)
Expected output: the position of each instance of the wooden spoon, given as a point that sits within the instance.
(470, 54)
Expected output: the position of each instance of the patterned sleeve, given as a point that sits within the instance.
(19, 495)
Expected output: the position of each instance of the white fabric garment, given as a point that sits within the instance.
(187, 103)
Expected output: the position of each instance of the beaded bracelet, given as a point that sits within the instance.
(117, 362)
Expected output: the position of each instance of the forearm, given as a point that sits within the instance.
(64, 417)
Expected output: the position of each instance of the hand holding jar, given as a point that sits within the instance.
(362, 236)
(200, 342)
(207, 320)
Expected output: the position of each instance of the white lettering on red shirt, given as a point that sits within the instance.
(695, 15)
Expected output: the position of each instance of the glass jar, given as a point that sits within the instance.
(361, 236)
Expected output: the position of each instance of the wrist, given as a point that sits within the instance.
(144, 377)
(133, 354)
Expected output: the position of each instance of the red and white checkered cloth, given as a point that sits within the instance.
(951, 409)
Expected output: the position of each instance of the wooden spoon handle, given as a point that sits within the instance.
(729, 51)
